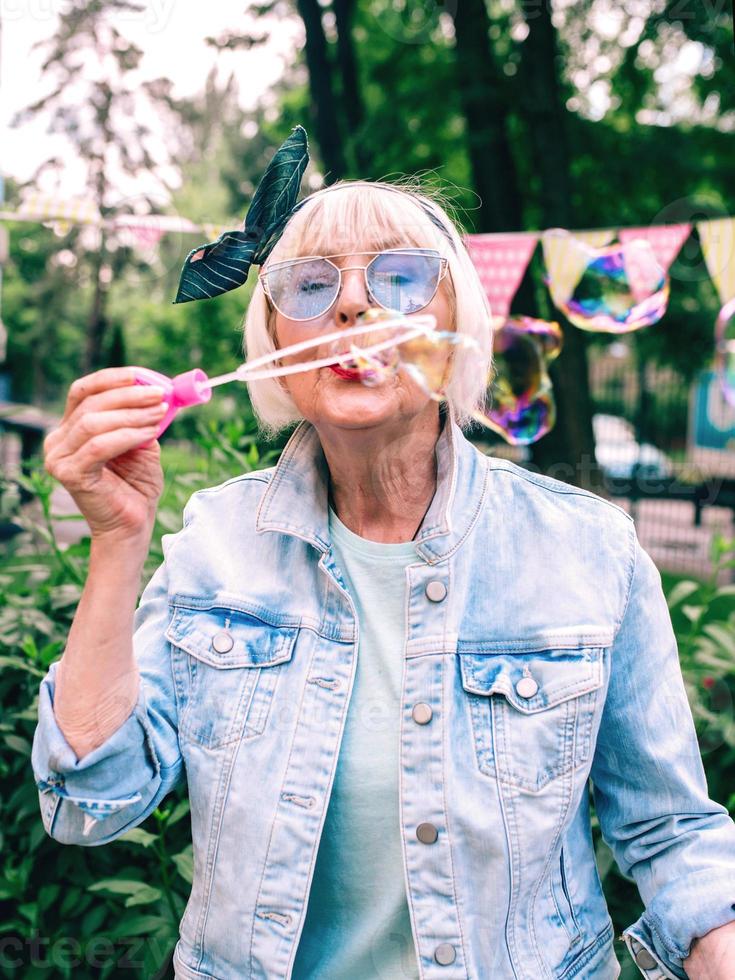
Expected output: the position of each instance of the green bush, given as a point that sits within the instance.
(88, 912)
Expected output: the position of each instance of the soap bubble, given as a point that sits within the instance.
(614, 289)
(725, 351)
(521, 405)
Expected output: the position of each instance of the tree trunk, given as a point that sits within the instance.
(323, 101)
(485, 111)
(97, 321)
(353, 107)
(568, 451)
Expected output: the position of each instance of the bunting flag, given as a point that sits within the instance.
(665, 240)
(501, 261)
(717, 238)
(596, 238)
(565, 262)
(36, 206)
(138, 231)
(146, 230)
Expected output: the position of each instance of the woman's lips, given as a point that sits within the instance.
(345, 373)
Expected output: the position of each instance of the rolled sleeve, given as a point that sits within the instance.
(650, 788)
(119, 783)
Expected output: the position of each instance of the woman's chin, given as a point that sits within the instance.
(352, 405)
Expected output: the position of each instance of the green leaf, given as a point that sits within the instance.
(18, 744)
(180, 810)
(93, 920)
(144, 895)
(47, 895)
(693, 613)
(139, 925)
(723, 636)
(21, 665)
(680, 592)
(69, 902)
(184, 862)
(138, 836)
(117, 886)
(29, 910)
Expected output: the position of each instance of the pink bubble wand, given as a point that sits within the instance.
(195, 387)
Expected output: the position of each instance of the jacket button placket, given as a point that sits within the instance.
(430, 880)
(302, 803)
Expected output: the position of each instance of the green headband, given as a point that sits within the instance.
(218, 267)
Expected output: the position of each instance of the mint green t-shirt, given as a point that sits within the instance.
(357, 924)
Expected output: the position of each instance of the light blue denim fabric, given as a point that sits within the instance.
(547, 585)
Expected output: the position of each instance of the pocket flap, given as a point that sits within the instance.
(255, 643)
(549, 676)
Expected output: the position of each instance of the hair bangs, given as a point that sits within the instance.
(355, 217)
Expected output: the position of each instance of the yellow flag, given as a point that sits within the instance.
(718, 244)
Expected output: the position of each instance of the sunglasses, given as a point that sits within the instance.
(404, 280)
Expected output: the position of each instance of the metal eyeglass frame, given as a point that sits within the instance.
(262, 277)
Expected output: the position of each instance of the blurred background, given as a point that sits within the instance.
(132, 132)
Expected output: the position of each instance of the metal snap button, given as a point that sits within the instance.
(422, 713)
(427, 833)
(222, 642)
(644, 960)
(444, 954)
(436, 590)
(526, 687)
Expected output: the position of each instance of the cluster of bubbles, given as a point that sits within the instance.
(521, 405)
(614, 289)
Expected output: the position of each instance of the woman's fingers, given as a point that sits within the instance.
(129, 396)
(92, 384)
(78, 472)
(91, 424)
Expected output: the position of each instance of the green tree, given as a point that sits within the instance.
(96, 105)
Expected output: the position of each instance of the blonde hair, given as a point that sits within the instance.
(369, 216)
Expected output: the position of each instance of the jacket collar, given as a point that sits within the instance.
(296, 499)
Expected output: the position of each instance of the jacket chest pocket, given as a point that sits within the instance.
(532, 713)
(226, 667)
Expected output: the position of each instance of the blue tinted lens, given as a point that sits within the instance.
(404, 281)
(301, 290)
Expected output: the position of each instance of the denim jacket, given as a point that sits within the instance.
(540, 639)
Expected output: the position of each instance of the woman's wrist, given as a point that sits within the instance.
(124, 550)
(713, 956)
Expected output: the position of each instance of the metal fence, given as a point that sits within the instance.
(680, 496)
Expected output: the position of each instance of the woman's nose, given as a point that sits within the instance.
(353, 298)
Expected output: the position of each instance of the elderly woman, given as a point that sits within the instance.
(387, 667)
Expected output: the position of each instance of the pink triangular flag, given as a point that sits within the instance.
(666, 240)
(501, 261)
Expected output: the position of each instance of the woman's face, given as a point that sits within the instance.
(326, 398)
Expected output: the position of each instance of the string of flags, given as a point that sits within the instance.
(501, 259)
(607, 280)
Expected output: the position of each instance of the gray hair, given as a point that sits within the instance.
(370, 216)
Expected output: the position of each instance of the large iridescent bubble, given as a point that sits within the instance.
(725, 351)
(614, 289)
(521, 405)
(424, 355)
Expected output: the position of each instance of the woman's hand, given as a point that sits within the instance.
(96, 453)
(713, 956)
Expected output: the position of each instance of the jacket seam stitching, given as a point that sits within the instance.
(442, 674)
(573, 491)
(667, 942)
(633, 562)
